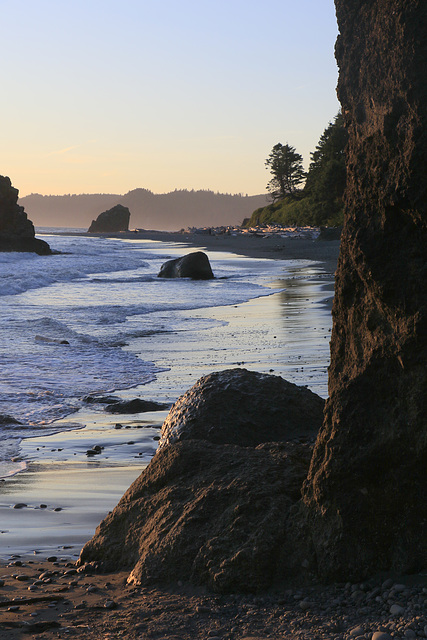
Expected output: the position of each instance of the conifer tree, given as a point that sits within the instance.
(285, 166)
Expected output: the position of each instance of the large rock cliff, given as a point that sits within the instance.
(365, 493)
(16, 231)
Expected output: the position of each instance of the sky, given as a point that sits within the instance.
(105, 96)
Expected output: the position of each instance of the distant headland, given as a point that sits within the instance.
(165, 212)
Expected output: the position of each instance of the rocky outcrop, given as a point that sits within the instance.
(365, 494)
(111, 221)
(16, 231)
(194, 265)
(208, 511)
(243, 407)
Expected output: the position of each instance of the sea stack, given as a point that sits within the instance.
(16, 231)
(112, 221)
(365, 494)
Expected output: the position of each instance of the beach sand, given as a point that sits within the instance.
(272, 246)
(53, 599)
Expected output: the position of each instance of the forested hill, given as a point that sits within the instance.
(164, 212)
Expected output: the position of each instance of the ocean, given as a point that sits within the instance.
(95, 318)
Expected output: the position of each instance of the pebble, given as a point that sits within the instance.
(357, 631)
(45, 574)
(20, 505)
(381, 635)
(110, 604)
(396, 610)
(2, 583)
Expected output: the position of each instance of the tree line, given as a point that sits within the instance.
(320, 201)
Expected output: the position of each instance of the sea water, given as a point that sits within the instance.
(95, 318)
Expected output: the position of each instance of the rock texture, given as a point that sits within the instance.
(194, 265)
(16, 231)
(365, 494)
(111, 221)
(210, 514)
(208, 510)
(243, 407)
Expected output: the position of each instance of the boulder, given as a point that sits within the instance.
(243, 407)
(364, 498)
(211, 514)
(111, 221)
(16, 231)
(194, 265)
(213, 505)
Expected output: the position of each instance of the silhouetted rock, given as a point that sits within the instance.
(111, 221)
(365, 494)
(193, 265)
(16, 231)
(210, 514)
(243, 407)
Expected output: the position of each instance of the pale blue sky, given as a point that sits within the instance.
(107, 96)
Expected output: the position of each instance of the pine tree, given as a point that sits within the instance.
(285, 166)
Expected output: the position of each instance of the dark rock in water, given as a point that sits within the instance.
(194, 265)
(95, 399)
(111, 221)
(243, 407)
(211, 514)
(365, 494)
(6, 419)
(16, 231)
(135, 406)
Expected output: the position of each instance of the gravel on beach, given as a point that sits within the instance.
(54, 599)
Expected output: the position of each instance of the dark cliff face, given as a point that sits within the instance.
(365, 493)
(16, 231)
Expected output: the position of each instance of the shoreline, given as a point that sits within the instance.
(272, 246)
(126, 451)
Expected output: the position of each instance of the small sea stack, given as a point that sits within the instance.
(111, 221)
